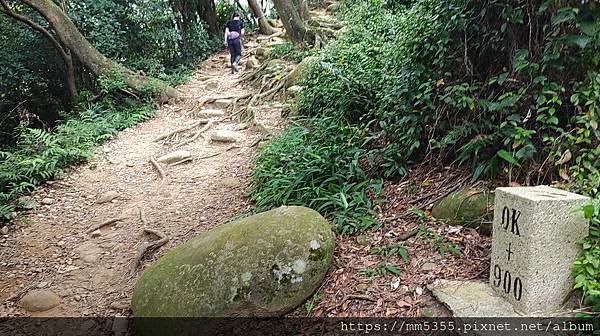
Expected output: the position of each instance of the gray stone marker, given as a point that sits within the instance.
(534, 245)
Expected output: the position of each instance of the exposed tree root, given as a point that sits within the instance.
(198, 134)
(103, 224)
(268, 37)
(180, 162)
(181, 130)
(156, 165)
(142, 249)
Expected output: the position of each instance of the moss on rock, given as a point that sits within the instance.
(468, 207)
(262, 265)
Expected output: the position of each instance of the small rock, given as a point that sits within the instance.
(42, 284)
(39, 300)
(119, 305)
(252, 63)
(107, 197)
(174, 157)
(203, 219)
(226, 136)
(96, 234)
(61, 243)
(222, 103)
(4, 230)
(106, 149)
(428, 266)
(77, 297)
(362, 240)
(230, 182)
(205, 114)
(47, 201)
(129, 164)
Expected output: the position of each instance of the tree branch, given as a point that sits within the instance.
(22, 18)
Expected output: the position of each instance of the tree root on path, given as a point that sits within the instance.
(156, 165)
(268, 37)
(181, 130)
(180, 162)
(142, 249)
(198, 134)
(107, 222)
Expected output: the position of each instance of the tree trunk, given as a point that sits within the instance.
(208, 13)
(89, 56)
(64, 53)
(303, 10)
(265, 27)
(295, 27)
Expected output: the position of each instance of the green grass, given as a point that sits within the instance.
(315, 163)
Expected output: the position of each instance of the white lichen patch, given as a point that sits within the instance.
(299, 266)
(281, 272)
(246, 277)
(296, 279)
(314, 245)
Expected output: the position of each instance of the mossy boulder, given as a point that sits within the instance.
(470, 207)
(263, 265)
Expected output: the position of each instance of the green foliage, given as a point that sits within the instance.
(586, 270)
(309, 305)
(316, 164)
(391, 250)
(438, 242)
(382, 269)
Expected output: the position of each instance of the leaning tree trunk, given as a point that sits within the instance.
(295, 27)
(89, 56)
(208, 13)
(64, 53)
(265, 27)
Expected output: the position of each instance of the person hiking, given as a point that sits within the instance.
(233, 38)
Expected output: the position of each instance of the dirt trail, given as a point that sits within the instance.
(49, 247)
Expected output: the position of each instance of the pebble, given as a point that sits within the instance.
(96, 234)
(61, 243)
(47, 201)
(42, 284)
(4, 230)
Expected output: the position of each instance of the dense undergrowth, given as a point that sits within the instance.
(510, 89)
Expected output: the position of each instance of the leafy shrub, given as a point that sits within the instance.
(317, 165)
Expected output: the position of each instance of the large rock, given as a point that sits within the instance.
(468, 207)
(39, 300)
(263, 265)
